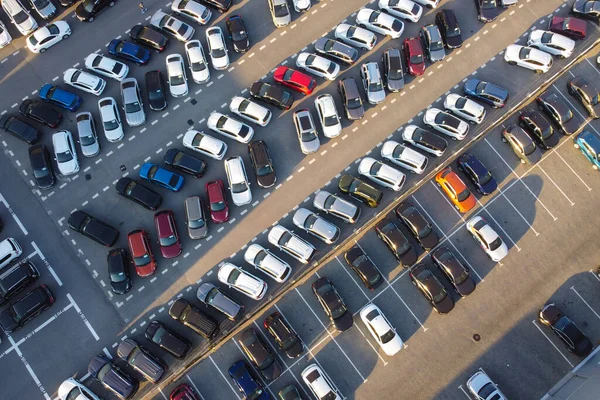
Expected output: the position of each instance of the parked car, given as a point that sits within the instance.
(86, 132)
(230, 127)
(267, 262)
(364, 268)
(149, 37)
(141, 253)
(316, 225)
(360, 190)
(93, 228)
(405, 9)
(587, 9)
(488, 239)
(372, 82)
(45, 8)
(166, 230)
(528, 57)
(301, 5)
(238, 33)
(162, 177)
(221, 6)
(84, 81)
(195, 218)
(111, 119)
(356, 36)
(262, 164)
(118, 271)
(319, 383)
(414, 56)
(172, 25)
(106, 66)
(244, 282)
(189, 316)
(421, 228)
(587, 94)
(239, 186)
(129, 51)
(589, 145)
(47, 36)
(336, 206)
(193, 10)
(380, 22)
(139, 193)
(13, 280)
(480, 385)
(382, 174)
(112, 377)
(294, 79)
(576, 341)
(132, 102)
(455, 271)
(217, 49)
(40, 112)
(176, 75)
(60, 97)
(393, 70)
(185, 163)
(487, 92)
(487, 10)
(19, 129)
(10, 250)
(446, 123)
(448, 25)
(424, 140)
(278, 97)
(433, 43)
(456, 190)
(432, 289)
(307, 132)
(212, 296)
(280, 12)
(141, 360)
(5, 37)
(250, 110)
(155, 89)
(467, 109)
(478, 174)
(351, 100)
(43, 172)
(284, 335)
(381, 329)
(336, 50)
(388, 230)
(552, 43)
(538, 127)
(183, 392)
(21, 311)
(197, 62)
(217, 203)
(247, 383)
(88, 9)
(334, 306)
(19, 16)
(571, 27)
(259, 354)
(168, 340)
(328, 116)
(404, 157)
(73, 389)
(523, 146)
(205, 144)
(292, 244)
(317, 65)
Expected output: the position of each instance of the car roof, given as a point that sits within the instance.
(236, 169)
(60, 141)
(136, 243)
(214, 190)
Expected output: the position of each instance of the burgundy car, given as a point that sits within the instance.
(296, 80)
(219, 211)
(183, 392)
(571, 27)
(168, 239)
(413, 53)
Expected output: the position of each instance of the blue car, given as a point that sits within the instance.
(589, 145)
(129, 51)
(248, 385)
(162, 177)
(62, 98)
(477, 173)
(487, 92)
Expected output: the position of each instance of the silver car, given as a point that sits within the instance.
(173, 26)
(280, 12)
(381, 173)
(86, 130)
(316, 225)
(205, 144)
(65, 154)
(291, 243)
(336, 206)
(262, 259)
(44, 8)
(239, 185)
(132, 102)
(212, 296)
(230, 127)
(465, 108)
(356, 36)
(19, 16)
(197, 61)
(195, 218)
(307, 133)
(193, 10)
(328, 116)
(446, 123)
(372, 82)
(111, 120)
(380, 22)
(432, 43)
(404, 156)
(250, 110)
(244, 282)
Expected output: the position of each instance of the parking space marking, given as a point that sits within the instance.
(195, 387)
(585, 302)
(12, 213)
(85, 321)
(28, 367)
(555, 185)
(573, 171)
(594, 274)
(224, 378)
(161, 392)
(39, 253)
(261, 379)
(552, 343)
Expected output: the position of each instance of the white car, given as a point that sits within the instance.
(176, 75)
(72, 389)
(429, 3)
(528, 57)
(230, 127)
(424, 140)
(336, 206)
(5, 37)
(262, 259)
(217, 48)
(380, 22)
(173, 26)
(242, 281)
(106, 66)
(65, 153)
(382, 330)
(239, 186)
(381, 173)
(356, 36)
(111, 120)
(551, 42)
(372, 82)
(318, 65)
(47, 36)
(280, 12)
(404, 157)
(192, 9)
(292, 244)
(328, 116)
(19, 16)
(197, 61)
(205, 144)
(132, 102)
(465, 108)
(316, 225)
(84, 81)
(301, 5)
(487, 238)
(446, 123)
(86, 131)
(483, 388)
(250, 110)
(406, 9)
(319, 384)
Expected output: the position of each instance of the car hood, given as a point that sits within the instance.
(326, 228)
(492, 185)
(466, 288)
(69, 167)
(377, 97)
(430, 241)
(416, 69)
(115, 134)
(267, 180)
(242, 198)
(393, 346)
(91, 150)
(171, 251)
(273, 371)
(583, 347)
(478, 381)
(446, 305)
(295, 350)
(345, 322)
(198, 233)
(241, 45)
(571, 126)
(146, 270)
(356, 113)
(490, 15)
(221, 62)
(437, 55)
(395, 85)
(45, 182)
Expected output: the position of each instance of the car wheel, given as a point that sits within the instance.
(503, 139)
(42, 50)
(575, 145)
(511, 63)
(66, 36)
(91, 19)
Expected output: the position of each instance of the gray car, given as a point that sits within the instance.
(86, 130)
(336, 49)
(132, 102)
(212, 296)
(432, 43)
(307, 133)
(195, 218)
(336, 206)
(44, 8)
(348, 90)
(522, 144)
(141, 360)
(316, 225)
(372, 82)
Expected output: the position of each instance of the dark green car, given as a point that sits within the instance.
(360, 191)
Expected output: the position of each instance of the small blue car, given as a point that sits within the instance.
(129, 51)
(487, 92)
(62, 98)
(477, 173)
(589, 145)
(162, 177)
(248, 385)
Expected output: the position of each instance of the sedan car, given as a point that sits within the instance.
(129, 51)
(522, 144)
(272, 95)
(139, 193)
(360, 190)
(381, 329)
(185, 163)
(106, 66)
(382, 174)
(217, 204)
(242, 281)
(291, 243)
(176, 75)
(166, 230)
(448, 25)
(487, 238)
(306, 131)
(40, 112)
(589, 145)
(197, 61)
(173, 26)
(319, 383)
(404, 157)
(405, 9)
(267, 262)
(465, 108)
(336, 206)
(19, 129)
(576, 341)
(141, 253)
(260, 355)
(73, 389)
(457, 274)
(141, 360)
(414, 56)
(587, 94)
(573, 28)
(538, 127)
(65, 153)
(432, 42)
(217, 49)
(424, 140)
(250, 110)
(351, 100)
(528, 57)
(333, 304)
(356, 36)
(487, 10)
(205, 144)
(588, 9)
(155, 88)
(247, 383)
(149, 37)
(301, 5)
(380, 22)
(429, 285)
(111, 120)
(478, 174)
(84, 81)
(238, 33)
(328, 116)
(118, 271)
(212, 296)
(262, 163)
(280, 12)
(482, 387)
(230, 127)
(552, 43)
(372, 82)
(239, 186)
(60, 97)
(337, 50)
(88, 9)
(390, 234)
(456, 190)
(316, 225)
(93, 228)
(317, 65)
(168, 340)
(132, 102)
(487, 92)
(446, 123)
(421, 228)
(364, 267)
(284, 335)
(162, 177)
(47, 36)
(43, 173)
(112, 377)
(193, 10)
(294, 79)
(393, 70)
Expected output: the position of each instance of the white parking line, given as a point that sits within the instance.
(258, 374)
(224, 378)
(28, 367)
(87, 323)
(585, 302)
(573, 171)
(17, 220)
(554, 183)
(195, 387)
(552, 343)
(39, 253)
(463, 390)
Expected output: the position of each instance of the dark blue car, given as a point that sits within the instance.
(161, 176)
(62, 98)
(486, 92)
(589, 145)
(477, 173)
(248, 385)
(129, 51)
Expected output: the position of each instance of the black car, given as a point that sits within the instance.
(487, 10)
(361, 191)
(184, 162)
(88, 9)
(112, 377)
(146, 36)
(168, 340)
(155, 88)
(336, 50)
(430, 286)
(246, 381)
(19, 129)
(39, 158)
(418, 225)
(118, 271)
(577, 343)
(262, 163)
(40, 112)
(204, 325)
(364, 268)
(456, 273)
(290, 392)
(67, 3)
(25, 309)
(393, 70)
(477, 173)
(587, 9)
(93, 228)
(238, 33)
(447, 23)
(141, 360)
(16, 278)
(538, 127)
(284, 335)
(139, 193)
(487, 92)
(272, 94)
(559, 112)
(353, 105)
(587, 95)
(389, 232)
(332, 304)
(259, 354)
(220, 5)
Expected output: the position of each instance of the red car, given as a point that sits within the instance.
(183, 392)
(141, 252)
(571, 27)
(168, 239)
(219, 211)
(413, 53)
(295, 80)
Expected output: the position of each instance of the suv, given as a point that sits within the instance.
(194, 319)
(348, 89)
(372, 82)
(447, 23)
(284, 335)
(262, 163)
(393, 70)
(26, 308)
(262, 259)
(432, 42)
(93, 228)
(19, 129)
(259, 354)
(15, 279)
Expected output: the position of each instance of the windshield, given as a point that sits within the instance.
(487, 390)
(354, 103)
(488, 4)
(73, 394)
(238, 35)
(388, 336)
(416, 59)
(40, 173)
(496, 244)
(132, 107)
(65, 156)
(330, 120)
(118, 277)
(453, 32)
(441, 295)
(141, 261)
(434, 46)
(176, 80)
(87, 140)
(111, 125)
(168, 241)
(218, 53)
(240, 187)
(280, 10)
(196, 223)
(464, 195)
(20, 17)
(264, 170)
(375, 86)
(308, 136)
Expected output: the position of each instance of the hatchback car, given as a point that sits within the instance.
(380, 22)
(141, 360)
(573, 28)
(185, 163)
(522, 144)
(528, 57)
(132, 102)
(382, 174)
(294, 79)
(40, 112)
(93, 228)
(465, 108)
(10, 250)
(482, 387)
(421, 228)
(432, 42)
(195, 218)
(176, 75)
(86, 131)
(190, 317)
(239, 186)
(65, 153)
(60, 97)
(262, 164)
(319, 383)
(448, 25)
(306, 131)
(112, 377)
(337, 50)
(538, 127)
(118, 271)
(432, 289)
(87, 10)
(111, 120)
(552, 43)
(393, 70)
(405, 9)
(138, 193)
(317, 65)
(451, 184)
(217, 203)
(390, 234)
(149, 37)
(242, 281)
(276, 96)
(168, 340)
(446, 123)
(260, 355)
(487, 92)
(230, 127)
(587, 94)
(364, 267)
(336, 206)
(250, 110)
(478, 174)
(351, 100)
(414, 56)
(197, 61)
(166, 230)
(280, 12)
(106, 66)
(589, 145)
(238, 33)
(217, 49)
(284, 335)
(334, 306)
(247, 383)
(356, 36)
(172, 25)
(487, 10)
(291, 243)
(576, 341)
(141, 252)
(155, 89)
(455, 271)
(212, 296)
(381, 329)
(424, 140)
(205, 144)
(372, 82)
(267, 262)
(21, 311)
(41, 166)
(47, 36)
(162, 177)
(316, 225)
(129, 51)
(487, 238)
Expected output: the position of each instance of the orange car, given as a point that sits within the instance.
(455, 189)
(141, 252)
